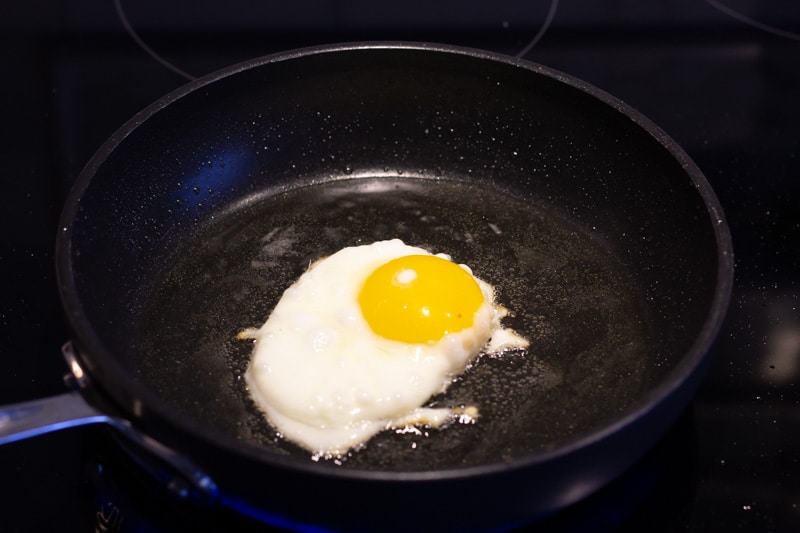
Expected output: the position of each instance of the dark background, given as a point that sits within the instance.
(726, 91)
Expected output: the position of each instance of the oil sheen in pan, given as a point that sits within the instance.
(571, 297)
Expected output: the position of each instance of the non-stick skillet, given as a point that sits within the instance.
(600, 234)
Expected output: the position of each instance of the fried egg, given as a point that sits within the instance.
(364, 338)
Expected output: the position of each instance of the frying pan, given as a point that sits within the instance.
(600, 234)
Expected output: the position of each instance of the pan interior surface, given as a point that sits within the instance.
(571, 297)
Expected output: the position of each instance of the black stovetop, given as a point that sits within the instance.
(728, 93)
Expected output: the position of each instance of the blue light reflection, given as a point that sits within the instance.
(216, 177)
(272, 519)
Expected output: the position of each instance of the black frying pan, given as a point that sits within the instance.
(600, 233)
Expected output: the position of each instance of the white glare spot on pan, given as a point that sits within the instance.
(278, 247)
(781, 363)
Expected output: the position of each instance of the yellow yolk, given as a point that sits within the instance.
(419, 299)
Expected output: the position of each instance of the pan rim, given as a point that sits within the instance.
(103, 366)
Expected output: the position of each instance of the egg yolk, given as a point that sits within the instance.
(419, 299)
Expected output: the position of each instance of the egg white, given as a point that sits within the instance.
(327, 382)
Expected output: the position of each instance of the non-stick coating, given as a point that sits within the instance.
(547, 153)
(590, 348)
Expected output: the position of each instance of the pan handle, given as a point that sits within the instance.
(37, 417)
(30, 419)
